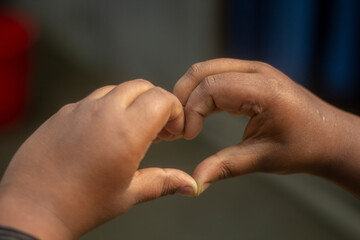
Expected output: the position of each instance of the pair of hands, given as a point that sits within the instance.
(80, 168)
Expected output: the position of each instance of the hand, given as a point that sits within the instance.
(80, 168)
(290, 129)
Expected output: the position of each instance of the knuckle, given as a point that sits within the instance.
(167, 190)
(101, 91)
(194, 70)
(262, 65)
(226, 170)
(65, 112)
(274, 86)
(160, 90)
(161, 94)
(209, 82)
(67, 108)
(161, 188)
(107, 87)
(167, 187)
(142, 81)
(225, 167)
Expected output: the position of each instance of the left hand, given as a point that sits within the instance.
(290, 129)
(80, 168)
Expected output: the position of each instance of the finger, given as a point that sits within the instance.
(229, 162)
(152, 183)
(238, 93)
(157, 109)
(167, 136)
(100, 92)
(197, 72)
(125, 93)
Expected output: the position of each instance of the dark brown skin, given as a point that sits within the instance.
(80, 168)
(290, 129)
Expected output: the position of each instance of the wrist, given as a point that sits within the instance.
(30, 215)
(343, 167)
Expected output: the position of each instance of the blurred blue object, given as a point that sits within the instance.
(288, 42)
(340, 59)
(316, 43)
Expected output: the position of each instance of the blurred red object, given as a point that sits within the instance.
(15, 41)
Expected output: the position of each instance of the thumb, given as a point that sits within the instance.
(152, 183)
(229, 162)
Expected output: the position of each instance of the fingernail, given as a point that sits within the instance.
(201, 187)
(186, 191)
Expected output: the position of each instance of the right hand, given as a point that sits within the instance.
(290, 129)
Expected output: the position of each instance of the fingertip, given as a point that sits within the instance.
(229, 162)
(199, 182)
(201, 187)
(186, 191)
(189, 136)
(181, 90)
(176, 92)
(189, 190)
(206, 172)
(193, 125)
(167, 136)
(176, 125)
(182, 182)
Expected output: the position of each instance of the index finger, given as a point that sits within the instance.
(197, 72)
(237, 93)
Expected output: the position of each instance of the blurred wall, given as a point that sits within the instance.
(156, 40)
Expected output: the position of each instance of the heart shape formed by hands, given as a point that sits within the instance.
(81, 167)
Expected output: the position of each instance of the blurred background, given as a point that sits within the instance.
(56, 52)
